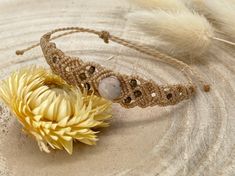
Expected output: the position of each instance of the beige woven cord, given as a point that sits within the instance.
(135, 91)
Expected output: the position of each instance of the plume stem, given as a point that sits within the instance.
(224, 41)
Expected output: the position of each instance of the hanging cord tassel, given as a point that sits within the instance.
(141, 48)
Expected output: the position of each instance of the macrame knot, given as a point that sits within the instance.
(206, 87)
(105, 36)
(19, 52)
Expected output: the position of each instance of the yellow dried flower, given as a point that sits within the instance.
(52, 111)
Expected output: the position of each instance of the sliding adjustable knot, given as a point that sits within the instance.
(47, 35)
(105, 36)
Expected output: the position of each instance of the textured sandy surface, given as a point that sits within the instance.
(193, 138)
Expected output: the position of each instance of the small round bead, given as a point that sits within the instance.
(82, 76)
(67, 69)
(127, 100)
(91, 70)
(169, 96)
(153, 94)
(133, 83)
(54, 59)
(137, 93)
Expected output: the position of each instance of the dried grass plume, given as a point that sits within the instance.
(186, 29)
(168, 5)
(220, 13)
(183, 33)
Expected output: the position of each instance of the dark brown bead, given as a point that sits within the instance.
(133, 83)
(54, 59)
(82, 76)
(137, 93)
(169, 96)
(91, 70)
(127, 100)
(87, 86)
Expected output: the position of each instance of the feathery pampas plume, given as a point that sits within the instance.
(219, 12)
(168, 5)
(184, 33)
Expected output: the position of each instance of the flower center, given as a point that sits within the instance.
(53, 102)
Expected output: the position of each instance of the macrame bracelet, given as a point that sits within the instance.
(127, 90)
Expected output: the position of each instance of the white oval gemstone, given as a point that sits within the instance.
(110, 88)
